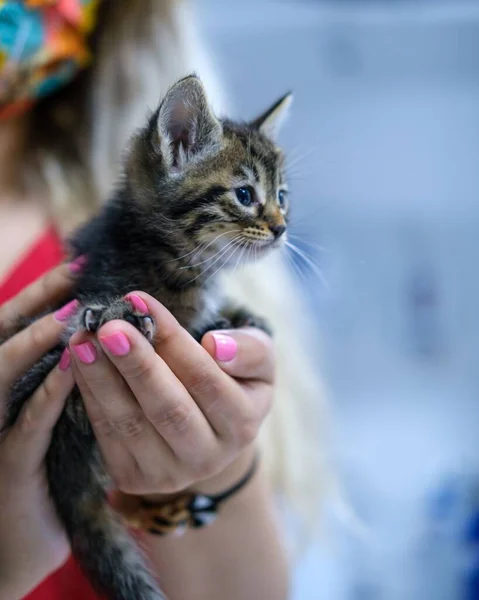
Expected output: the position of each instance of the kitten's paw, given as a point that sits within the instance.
(220, 323)
(94, 316)
(235, 320)
(243, 318)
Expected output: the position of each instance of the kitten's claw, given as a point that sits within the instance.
(93, 317)
(91, 320)
(148, 328)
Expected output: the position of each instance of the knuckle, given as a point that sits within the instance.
(246, 432)
(124, 481)
(204, 467)
(35, 407)
(29, 420)
(36, 334)
(172, 483)
(172, 420)
(201, 383)
(137, 367)
(48, 389)
(130, 426)
(103, 427)
(8, 357)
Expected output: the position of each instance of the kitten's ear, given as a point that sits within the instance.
(186, 123)
(271, 121)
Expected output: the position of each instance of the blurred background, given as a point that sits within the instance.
(384, 138)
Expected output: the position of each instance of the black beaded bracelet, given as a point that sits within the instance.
(188, 510)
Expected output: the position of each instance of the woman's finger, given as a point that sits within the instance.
(117, 457)
(26, 347)
(107, 387)
(242, 353)
(164, 400)
(31, 434)
(47, 291)
(219, 397)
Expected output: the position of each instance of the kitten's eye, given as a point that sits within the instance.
(282, 198)
(245, 195)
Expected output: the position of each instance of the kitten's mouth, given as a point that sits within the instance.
(266, 245)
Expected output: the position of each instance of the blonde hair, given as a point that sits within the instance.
(142, 46)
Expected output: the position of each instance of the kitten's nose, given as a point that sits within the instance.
(277, 230)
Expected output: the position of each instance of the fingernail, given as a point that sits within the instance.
(78, 264)
(116, 343)
(86, 352)
(65, 360)
(226, 347)
(64, 313)
(138, 303)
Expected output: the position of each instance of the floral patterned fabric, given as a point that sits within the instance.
(43, 44)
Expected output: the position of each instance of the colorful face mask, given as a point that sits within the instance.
(43, 44)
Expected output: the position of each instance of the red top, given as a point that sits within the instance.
(68, 582)
(45, 254)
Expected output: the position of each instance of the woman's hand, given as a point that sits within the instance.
(179, 415)
(32, 541)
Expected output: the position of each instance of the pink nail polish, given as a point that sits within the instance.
(67, 311)
(138, 303)
(86, 352)
(116, 343)
(226, 347)
(78, 264)
(65, 360)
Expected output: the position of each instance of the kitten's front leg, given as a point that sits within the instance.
(96, 314)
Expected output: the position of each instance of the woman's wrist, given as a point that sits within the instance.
(217, 483)
(131, 506)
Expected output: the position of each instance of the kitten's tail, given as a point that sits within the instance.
(110, 558)
(107, 554)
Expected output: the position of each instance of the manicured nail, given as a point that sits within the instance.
(67, 311)
(138, 303)
(116, 343)
(78, 264)
(65, 360)
(86, 352)
(226, 347)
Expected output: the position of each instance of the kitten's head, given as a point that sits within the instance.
(218, 184)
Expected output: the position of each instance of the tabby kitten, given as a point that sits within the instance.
(198, 194)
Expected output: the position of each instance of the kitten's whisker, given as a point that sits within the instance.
(217, 238)
(312, 244)
(202, 243)
(251, 250)
(219, 255)
(190, 266)
(187, 254)
(315, 268)
(244, 245)
(210, 258)
(295, 267)
(300, 158)
(234, 249)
